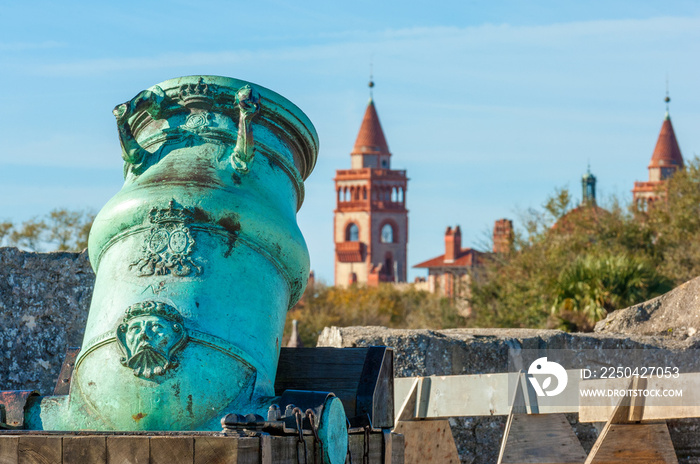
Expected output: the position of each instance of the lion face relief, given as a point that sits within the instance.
(150, 335)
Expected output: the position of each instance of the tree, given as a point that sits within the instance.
(674, 225)
(29, 235)
(572, 267)
(386, 305)
(60, 229)
(592, 286)
(5, 230)
(69, 230)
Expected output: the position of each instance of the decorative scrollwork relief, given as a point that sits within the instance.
(197, 122)
(149, 337)
(168, 245)
(248, 101)
(198, 93)
(133, 154)
(203, 101)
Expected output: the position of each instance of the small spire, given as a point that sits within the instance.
(294, 338)
(371, 81)
(588, 182)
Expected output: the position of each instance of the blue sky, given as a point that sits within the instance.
(489, 106)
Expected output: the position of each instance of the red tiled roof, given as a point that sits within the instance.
(584, 214)
(667, 152)
(467, 257)
(370, 139)
(350, 252)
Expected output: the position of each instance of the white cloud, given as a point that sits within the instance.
(25, 46)
(445, 43)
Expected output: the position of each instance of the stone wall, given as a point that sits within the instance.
(44, 301)
(481, 351)
(675, 315)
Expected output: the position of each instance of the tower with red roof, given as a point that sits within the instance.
(371, 219)
(665, 161)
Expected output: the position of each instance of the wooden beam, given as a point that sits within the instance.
(623, 441)
(361, 377)
(634, 443)
(33, 447)
(531, 438)
(481, 395)
(172, 450)
(357, 443)
(647, 408)
(428, 441)
(215, 450)
(128, 450)
(375, 390)
(539, 439)
(81, 450)
(398, 447)
(9, 450)
(39, 449)
(407, 411)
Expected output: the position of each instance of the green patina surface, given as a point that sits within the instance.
(197, 259)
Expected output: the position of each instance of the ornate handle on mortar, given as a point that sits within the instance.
(248, 101)
(132, 153)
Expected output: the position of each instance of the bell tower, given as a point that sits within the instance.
(371, 219)
(665, 161)
(588, 182)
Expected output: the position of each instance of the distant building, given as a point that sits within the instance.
(450, 274)
(503, 236)
(371, 219)
(587, 212)
(665, 161)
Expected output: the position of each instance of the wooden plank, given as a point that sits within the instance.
(81, 450)
(483, 395)
(516, 407)
(541, 438)
(388, 446)
(375, 391)
(655, 408)
(423, 397)
(9, 450)
(247, 449)
(265, 449)
(407, 411)
(637, 402)
(397, 448)
(284, 450)
(128, 450)
(200, 449)
(39, 449)
(172, 450)
(216, 450)
(529, 395)
(356, 443)
(324, 364)
(537, 438)
(623, 442)
(336, 370)
(428, 441)
(634, 443)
